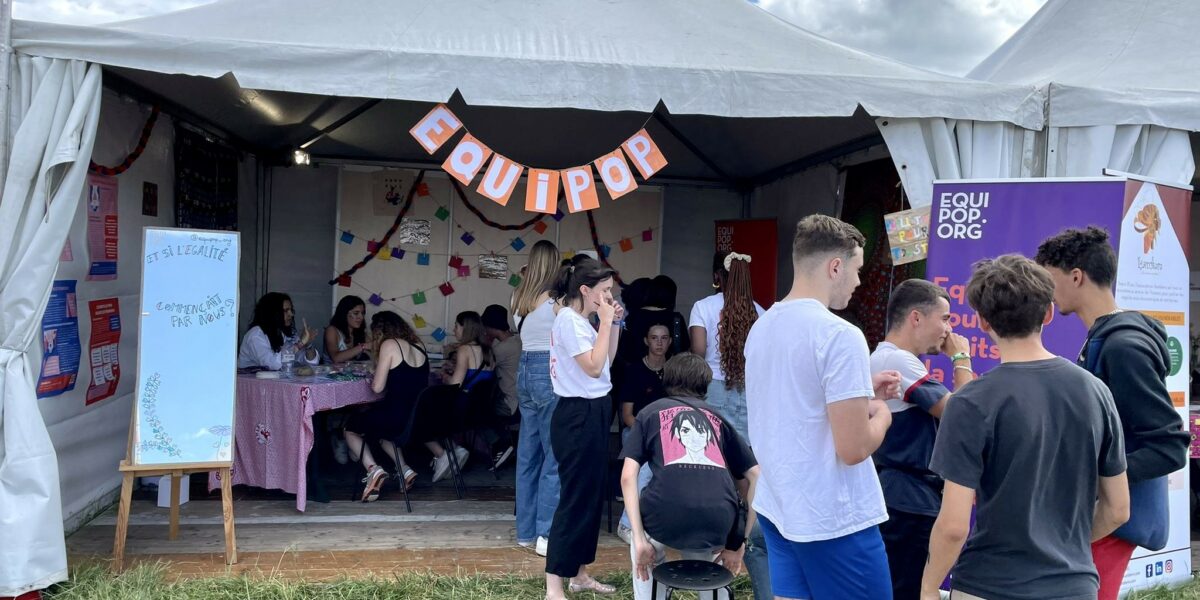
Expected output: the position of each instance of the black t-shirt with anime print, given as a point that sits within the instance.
(690, 502)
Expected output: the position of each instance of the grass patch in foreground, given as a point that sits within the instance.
(96, 582)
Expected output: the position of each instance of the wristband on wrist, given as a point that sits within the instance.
(960, 356)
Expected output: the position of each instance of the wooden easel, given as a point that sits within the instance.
(129, 471)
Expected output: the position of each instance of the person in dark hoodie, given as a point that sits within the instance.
(1128, 352)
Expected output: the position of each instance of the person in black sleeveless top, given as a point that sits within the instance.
(401, 373)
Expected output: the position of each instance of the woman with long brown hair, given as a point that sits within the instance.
(537, 470)
(719, 325)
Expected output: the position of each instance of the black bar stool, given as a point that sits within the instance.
(692, 575)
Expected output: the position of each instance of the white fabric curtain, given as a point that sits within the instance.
(54, 112)
(928, 149)
(1148, 150)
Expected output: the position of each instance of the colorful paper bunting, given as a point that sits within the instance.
(514, 280)
(464, 271)
(422, 189)
(468, 239)
(456, 262)
(344, 280)
(423, 259)
(442, 214)
(517, 244)
(647, 235)
(418, 322)
(372, 246)
(605, 250)
(438, 334)
(418, 298)
(375, 300)
(446, 289)
(384, 253)
(626, 245)
(540, 227)
(347, 237)
(397, 253)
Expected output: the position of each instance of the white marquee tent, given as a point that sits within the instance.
(738, 99)
(1122, 79)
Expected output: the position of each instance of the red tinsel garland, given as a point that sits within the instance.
(490, 223)
(133, 156)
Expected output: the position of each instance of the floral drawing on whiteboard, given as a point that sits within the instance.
(222, 444)
(159, 439)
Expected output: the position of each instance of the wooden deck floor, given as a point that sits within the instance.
(336, 539)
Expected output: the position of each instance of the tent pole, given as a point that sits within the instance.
(6, 58)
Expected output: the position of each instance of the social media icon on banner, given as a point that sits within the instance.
(1170, 566)
(1158, 568)
(1149, 571)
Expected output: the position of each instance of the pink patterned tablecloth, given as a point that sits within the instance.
(1194, 426)
(274, 430)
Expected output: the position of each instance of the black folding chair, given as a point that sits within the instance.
(432, 421)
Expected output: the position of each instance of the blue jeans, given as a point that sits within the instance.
(731, 404)
(642, 481)
(537, 470)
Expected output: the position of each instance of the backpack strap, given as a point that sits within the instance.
(1091, 356)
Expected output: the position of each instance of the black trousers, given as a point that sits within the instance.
(906, 538)
(579, 436)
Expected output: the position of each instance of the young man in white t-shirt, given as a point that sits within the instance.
(815, 419)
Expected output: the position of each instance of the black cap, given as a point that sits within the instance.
(495, 317)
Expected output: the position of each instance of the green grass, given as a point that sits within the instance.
(150, 582)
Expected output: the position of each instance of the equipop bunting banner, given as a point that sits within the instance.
(1148, 224)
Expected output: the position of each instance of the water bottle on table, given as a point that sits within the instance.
(288, 358)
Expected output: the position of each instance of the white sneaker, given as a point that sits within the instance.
(441, 466)
(540, 547)
(462, 455)
(341, 452)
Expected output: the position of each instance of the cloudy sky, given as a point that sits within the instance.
(950, 36)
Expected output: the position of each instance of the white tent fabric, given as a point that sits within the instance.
(928, 149)
(1111, 62)
(55, 111)
(1123, 87)
(535, 53)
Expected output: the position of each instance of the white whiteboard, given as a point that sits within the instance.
(187, 347)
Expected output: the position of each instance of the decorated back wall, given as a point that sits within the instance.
(444, 258)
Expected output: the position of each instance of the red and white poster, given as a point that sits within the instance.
(102, 228)
(103, 348)
(758, 238)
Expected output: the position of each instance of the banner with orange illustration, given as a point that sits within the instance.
(1148, 224)
(470, 157)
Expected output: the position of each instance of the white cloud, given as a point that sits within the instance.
(949, 36)
(91, 12)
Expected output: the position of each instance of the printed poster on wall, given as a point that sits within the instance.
(102, 228)
(184, 408)
(60, 341)
(103, 349)
(757, 238)
(1148, 227)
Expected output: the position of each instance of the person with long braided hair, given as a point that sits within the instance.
(718, 327)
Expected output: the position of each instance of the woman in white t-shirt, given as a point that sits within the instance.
(580, 358)
(537, 471)
(718, 326)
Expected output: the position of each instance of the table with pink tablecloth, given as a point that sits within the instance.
(274, 428)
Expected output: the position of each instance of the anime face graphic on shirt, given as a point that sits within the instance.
(690, 437)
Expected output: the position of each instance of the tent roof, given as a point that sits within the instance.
(724, 58)
(1123, 62)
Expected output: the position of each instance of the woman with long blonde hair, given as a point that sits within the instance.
(537, 469)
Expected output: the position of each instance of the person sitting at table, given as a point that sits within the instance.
(273, 331)
(346, 335)
(401, 373)
(474, 361)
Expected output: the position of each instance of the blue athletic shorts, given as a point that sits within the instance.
(852, 567)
